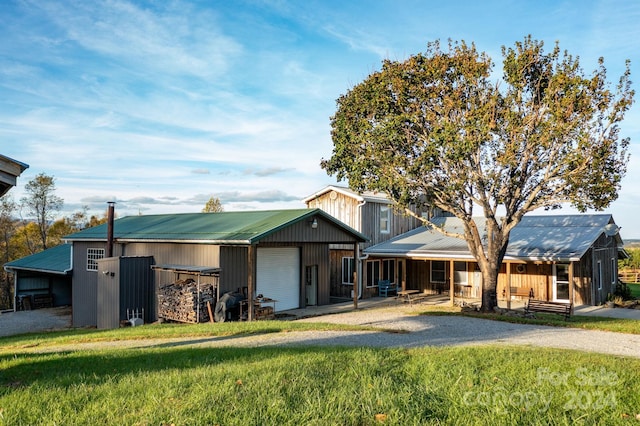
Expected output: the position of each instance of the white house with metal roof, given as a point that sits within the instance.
(570, 258)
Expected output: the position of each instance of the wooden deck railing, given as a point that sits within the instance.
(629, 275)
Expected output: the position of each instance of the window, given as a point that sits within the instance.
(389, 270)
(460, 273)
(599, 276)
(438, 271)
(385, 219)
(614, 274)
(348, 267)
(93, 254)
(373, 272)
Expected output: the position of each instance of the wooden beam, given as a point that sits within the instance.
(451, 283)
(571, 286)
(508, 289)
(251, 280)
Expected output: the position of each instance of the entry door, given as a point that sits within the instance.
(561, 282)
(311, 290)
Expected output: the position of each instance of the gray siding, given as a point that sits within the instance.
(176, 254)
(125, 283)
(84, 292)
(316, 254)
(234, 263)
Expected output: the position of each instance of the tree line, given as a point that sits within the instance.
(31, 225)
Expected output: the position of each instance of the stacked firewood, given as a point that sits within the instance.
(178, 301)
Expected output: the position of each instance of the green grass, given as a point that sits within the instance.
(292, 386)
(617, 325)
(165, 384)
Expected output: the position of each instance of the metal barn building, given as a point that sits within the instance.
(281, 254)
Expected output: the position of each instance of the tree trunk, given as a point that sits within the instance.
(489, 288)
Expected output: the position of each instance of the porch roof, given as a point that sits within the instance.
(56, 260)
(542, 238)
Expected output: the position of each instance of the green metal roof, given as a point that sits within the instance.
(247, 227)
(56, 260)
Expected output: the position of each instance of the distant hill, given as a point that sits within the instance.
(631, 243)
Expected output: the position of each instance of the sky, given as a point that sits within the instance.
(159, 105)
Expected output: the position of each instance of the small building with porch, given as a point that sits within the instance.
(568, 258)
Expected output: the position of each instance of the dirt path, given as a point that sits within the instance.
(413, 331)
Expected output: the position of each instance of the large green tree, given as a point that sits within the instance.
(440, 128)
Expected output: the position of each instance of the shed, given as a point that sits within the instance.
(43, 276)
(125, 290)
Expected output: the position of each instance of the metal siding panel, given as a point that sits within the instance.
(318, 254)
(108, 294)
(84, 292)
(233, 262)
(137, 289)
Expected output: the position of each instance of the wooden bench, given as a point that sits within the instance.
(559, 308)
(42, 301)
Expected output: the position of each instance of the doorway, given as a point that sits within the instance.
(311, 288)
(561, 282)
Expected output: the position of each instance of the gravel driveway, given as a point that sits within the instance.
(12, 323)
(411, 331)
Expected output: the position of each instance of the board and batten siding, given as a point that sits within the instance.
(364, 217)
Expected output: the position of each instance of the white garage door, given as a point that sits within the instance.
(278, 276)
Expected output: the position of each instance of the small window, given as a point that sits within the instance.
(438, 271)
(599, 276)
(614, 273)
(385, 219)
(347, 270)
(460, 273)
(93, 254)
(373, 273)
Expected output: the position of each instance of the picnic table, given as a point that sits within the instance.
(408, 295)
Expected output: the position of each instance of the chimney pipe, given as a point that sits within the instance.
(110, 215)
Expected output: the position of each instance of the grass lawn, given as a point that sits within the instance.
(635, 290)
(165, 385)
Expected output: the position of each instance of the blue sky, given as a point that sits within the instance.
(160, 105)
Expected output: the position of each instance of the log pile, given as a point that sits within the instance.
(178, 301)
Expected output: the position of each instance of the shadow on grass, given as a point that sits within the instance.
(96, 367)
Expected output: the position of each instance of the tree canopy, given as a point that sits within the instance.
(214, 205)
(42, 202)
(437, 129)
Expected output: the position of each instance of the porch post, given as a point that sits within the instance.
(508, 288)
(357, 277)
(451, 283)
(571, 284)
(251, 285)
